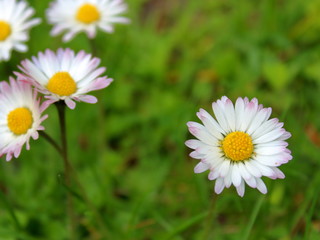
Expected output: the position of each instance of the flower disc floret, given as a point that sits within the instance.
(62, 84)
(20, 120)
(88, 13)
(237, 146)
(5, 30)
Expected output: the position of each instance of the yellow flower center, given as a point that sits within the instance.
(237, 146)
(88, 13)
(62, 84)
(5, 30)
(20, 120)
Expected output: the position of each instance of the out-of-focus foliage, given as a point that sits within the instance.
(128, 150)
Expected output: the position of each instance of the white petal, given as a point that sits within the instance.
(273, 160)
(196, 155)
(241, 189)
(213, 175)
(252, 169)
(206, 149)
(273, 144)
(200, 132)
(265, 170)
(239, 112)
(260, 117)
(193, 144)
(278, 172)
(250, 112)
(265, 127)
(201, 167)
(213, 161)
(269, 150)
(230, 115)
(224, 169)
(270, 136)
(210, 124)
(243, 171)
(219, 113)
(261, 186)
(236, 177)
(219, 186)
(251, 182)
(228, 178)
(284, 136)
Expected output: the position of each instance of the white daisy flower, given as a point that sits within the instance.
(240, 146)
(64, 76)
(75, 16)
(15, 23)
(20, 117)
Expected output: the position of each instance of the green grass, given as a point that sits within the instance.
(128, 150)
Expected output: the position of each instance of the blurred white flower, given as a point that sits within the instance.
(74, 16)
(20, 117)
(64, 76)
(240, 146)
(15, 23)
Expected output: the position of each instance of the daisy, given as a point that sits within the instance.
(240, 145)
(20, 117)
(76, 16)
(15, 23)
(64, 76)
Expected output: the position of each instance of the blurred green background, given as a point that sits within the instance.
(128, 150)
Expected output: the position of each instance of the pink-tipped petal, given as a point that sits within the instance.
(88, 99)
(219, 186)
(201, 167)
(71, 104)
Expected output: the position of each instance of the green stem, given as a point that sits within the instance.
(92, 46)
(67, 168)
(71, 174)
